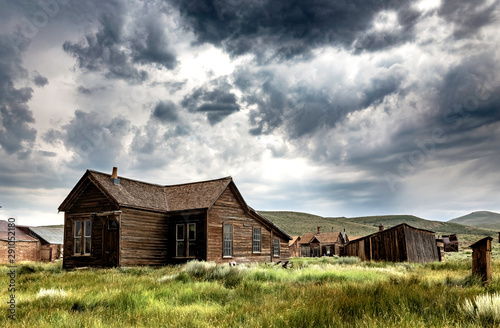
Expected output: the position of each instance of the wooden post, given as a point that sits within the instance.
(481, 259)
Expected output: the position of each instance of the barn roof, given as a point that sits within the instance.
(389, 229)
(20, 235)
(50, 235)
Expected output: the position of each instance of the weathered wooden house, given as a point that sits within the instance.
(449, 242)
(322, 243)
(115, 221)
(397, 244)
(27, 248)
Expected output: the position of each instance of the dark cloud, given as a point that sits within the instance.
(95, 139)
(165, 112)
(39, 80)
(116, 53)
(468, 17)
(16, 119)
(150, 45)
(304, 109)
(88, 91)
(214, 99)
(285, 29)
(84, 90)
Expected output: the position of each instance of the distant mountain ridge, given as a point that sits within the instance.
(296, 223)
(482, 219)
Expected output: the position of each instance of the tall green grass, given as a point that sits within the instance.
(323, 292)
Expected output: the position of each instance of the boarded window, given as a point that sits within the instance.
(228, 240)
(192, 239)
(181, 244)
(77, 235)
(276, 247)
(256, 240)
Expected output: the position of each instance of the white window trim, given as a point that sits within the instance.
(224, 241)
(254, 240)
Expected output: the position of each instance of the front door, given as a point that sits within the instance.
(110, 247)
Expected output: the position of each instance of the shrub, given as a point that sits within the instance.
(348, 260)
(199, 269)
(485, 309)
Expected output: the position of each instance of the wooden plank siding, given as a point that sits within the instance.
(227, 210)
(198, 218)
(91, 200)
(398, 244)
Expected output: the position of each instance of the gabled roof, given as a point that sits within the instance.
(323, 237)
(20, 235)
(138, 194)
(50, 235)
(293, 240)
(181, 197)
(390, 229)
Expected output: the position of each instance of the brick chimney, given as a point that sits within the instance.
(381, 227)
(114, 177)
(319, 230)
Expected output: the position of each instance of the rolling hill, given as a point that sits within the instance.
(296, 223)
(482, 219)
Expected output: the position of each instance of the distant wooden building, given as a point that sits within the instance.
(397, 244)
(449, 242)
(293, 246)
(27, 248)
(115, 221)
(322, 243)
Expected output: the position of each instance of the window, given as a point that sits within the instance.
(182, 232)
(228, 240)
(276, 247)
(88, 237)
(181, 244)
(256, 240)
(192, 239)
(82, 242)
(77, 235)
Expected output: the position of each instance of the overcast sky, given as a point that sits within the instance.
(332, 107)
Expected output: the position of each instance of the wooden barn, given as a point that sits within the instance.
(114, 221)
(397, 244)
(322, 243)
(27, 248)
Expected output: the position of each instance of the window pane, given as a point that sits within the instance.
(192, 231)
(276, 247)
(192, 248)
(181, 249)
(228, 240)
(180, 232)
(88, 229)
(78, 229)
(256, 240)
(78, 245)
(87, 245)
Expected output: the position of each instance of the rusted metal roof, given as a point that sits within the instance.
(50, 235)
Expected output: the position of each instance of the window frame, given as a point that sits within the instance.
(230, 241)
(178, 240)
(256, 242)
(191, 240)
(84, 238)
(276, 254)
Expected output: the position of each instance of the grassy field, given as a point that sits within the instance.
(326, 292)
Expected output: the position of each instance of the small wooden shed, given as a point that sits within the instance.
(115, 221)
(397, 244)
(322, 243)
(449, 242)
(481, 259)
